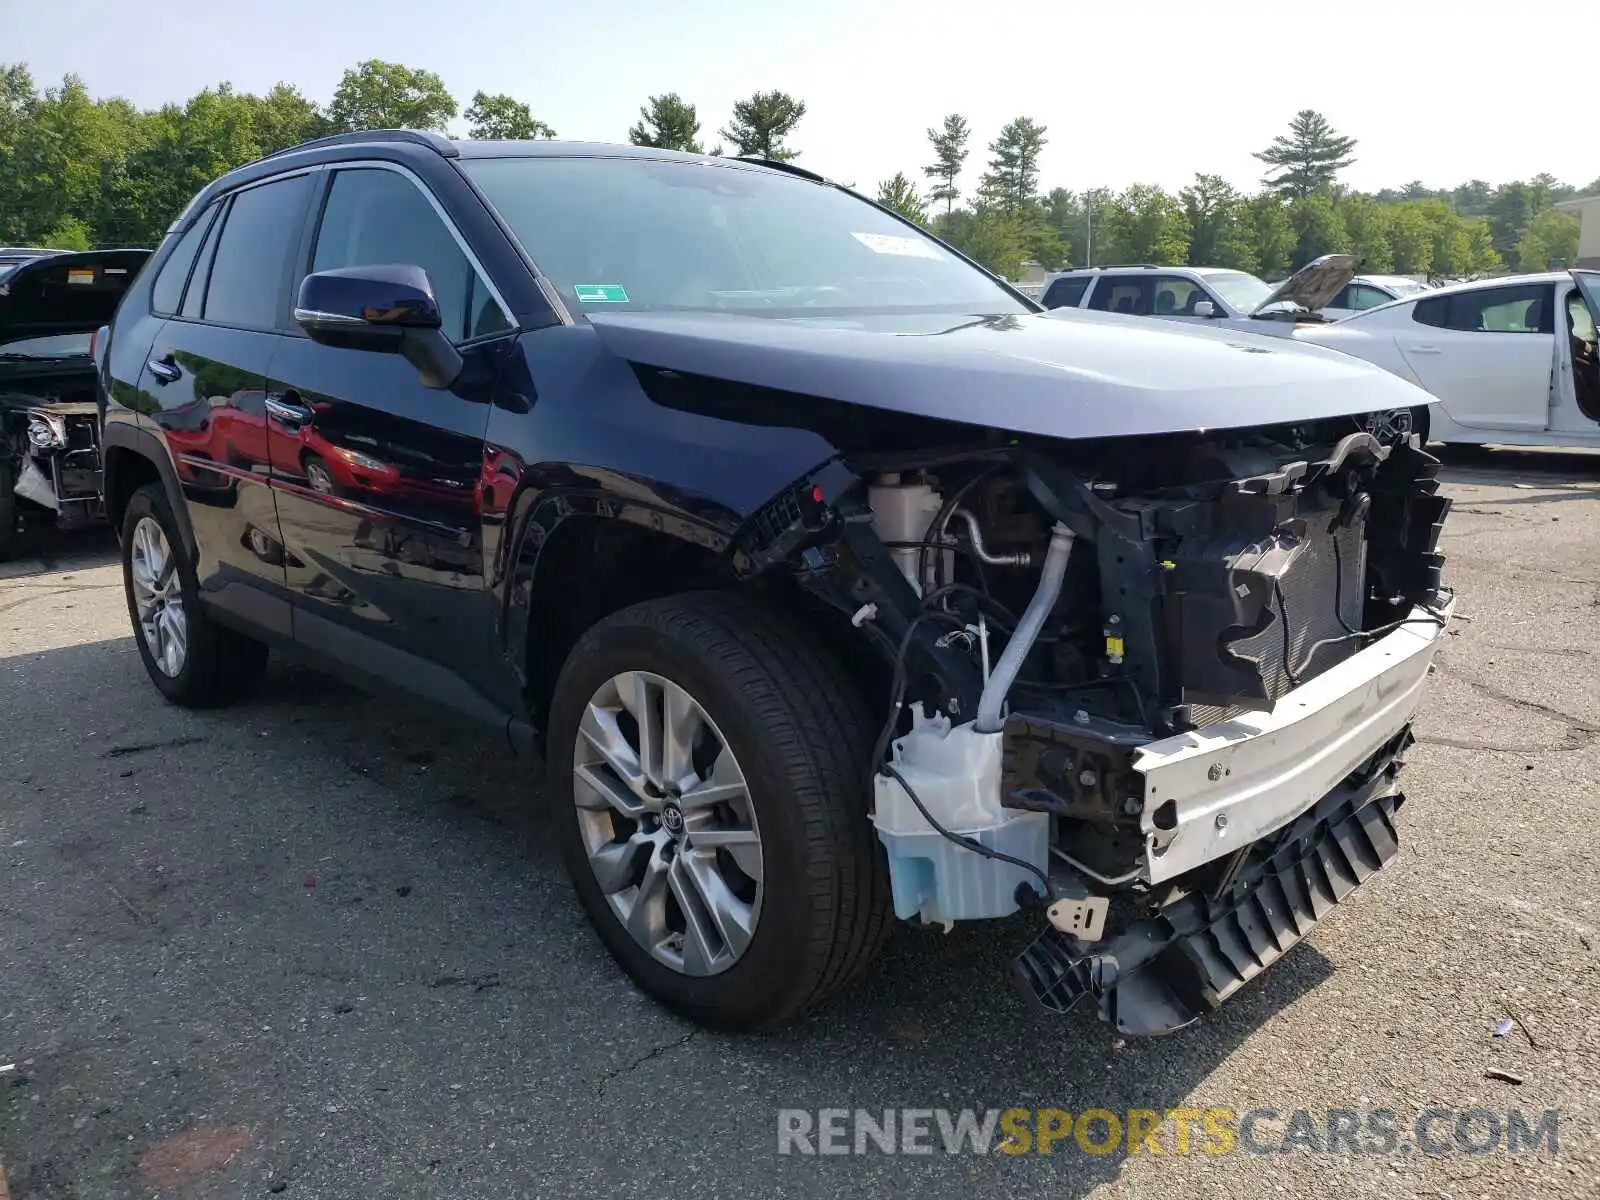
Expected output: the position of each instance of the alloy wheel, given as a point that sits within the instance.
(667, 824)
(158, 597)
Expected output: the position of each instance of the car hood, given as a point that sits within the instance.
(1316, 284)
(1070, 374)
(65, 293)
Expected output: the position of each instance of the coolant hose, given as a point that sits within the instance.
(1010, 664)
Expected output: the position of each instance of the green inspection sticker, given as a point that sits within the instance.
(600, 293)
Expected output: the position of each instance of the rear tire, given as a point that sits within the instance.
(10, 530)
(781, 705)
(216, 665)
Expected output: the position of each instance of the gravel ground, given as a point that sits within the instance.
(318, 946)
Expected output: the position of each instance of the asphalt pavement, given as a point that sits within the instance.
(320, 946)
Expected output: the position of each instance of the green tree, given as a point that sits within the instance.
(284, 118)
(501, 118)
(1011, 183)
(1550, 241)
(1482, 255)
(1218, 220)
(994, 239)
(382, 95)
(1149, 226)
(1513, 207)
(898, 193)
(949, 153)
(1411, 240)
(761, 123)
(1308, 158)
(1317, 229)
(1472, 199)
(1366, 223)
(1451, 250)
(1063, 212)
(70, 233)
(667, 123)
(1272, 237)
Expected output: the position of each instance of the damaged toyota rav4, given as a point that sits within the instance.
(829, 580)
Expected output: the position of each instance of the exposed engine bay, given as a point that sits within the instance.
(49, 456)
(1160, 686)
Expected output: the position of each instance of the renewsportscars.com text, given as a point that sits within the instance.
(1178, 1131)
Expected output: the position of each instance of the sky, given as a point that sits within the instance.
(1136, 92)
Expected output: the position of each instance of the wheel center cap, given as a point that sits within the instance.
(672, 820)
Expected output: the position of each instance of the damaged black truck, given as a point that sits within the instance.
(51, 303)
(833, 582)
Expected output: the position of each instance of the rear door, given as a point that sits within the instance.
(1578, 407)
(205, 377)
(1126, 294)
(376, 475)
(1487, 353)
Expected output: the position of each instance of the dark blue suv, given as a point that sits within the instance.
(828, 579)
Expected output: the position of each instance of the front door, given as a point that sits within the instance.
(1487, 353)
(377, 476)
(1577, 401)
(207, 372)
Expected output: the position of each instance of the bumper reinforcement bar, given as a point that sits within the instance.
(1170, 969)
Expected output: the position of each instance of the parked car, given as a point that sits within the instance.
(1369, 291)
(12, 257)
(1512, 360)
(831, 580)
(1206, 293)
(50, 305)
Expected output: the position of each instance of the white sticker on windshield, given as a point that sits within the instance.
(904, 247)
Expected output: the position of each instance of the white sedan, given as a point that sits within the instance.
(1511, 360)
(1369, 291)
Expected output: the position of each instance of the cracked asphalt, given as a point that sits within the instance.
(319, 946)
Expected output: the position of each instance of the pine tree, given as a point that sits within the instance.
(1309, 158)
(761, 123)
(1011, 183)
(667, 123)
(949, 152)
(899, 194)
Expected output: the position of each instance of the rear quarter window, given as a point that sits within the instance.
(167, 292)
(1065, 293)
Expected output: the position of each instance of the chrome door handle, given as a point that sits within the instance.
(289, 414)
(164, 370)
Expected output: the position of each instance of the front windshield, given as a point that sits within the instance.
(636, 234)
(56, 345)
(1241, 291)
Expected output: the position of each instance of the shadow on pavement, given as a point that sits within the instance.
(53, 550)
(1506, 466)
(310, 928)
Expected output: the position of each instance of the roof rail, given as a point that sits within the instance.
(1128, 267)
(439, 144)
(779, 165)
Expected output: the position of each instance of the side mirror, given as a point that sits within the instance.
(388, 308)
(1204, 308)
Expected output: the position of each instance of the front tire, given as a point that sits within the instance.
(10, 528)
(1419, 424)
(708, 766)
(193, 661)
